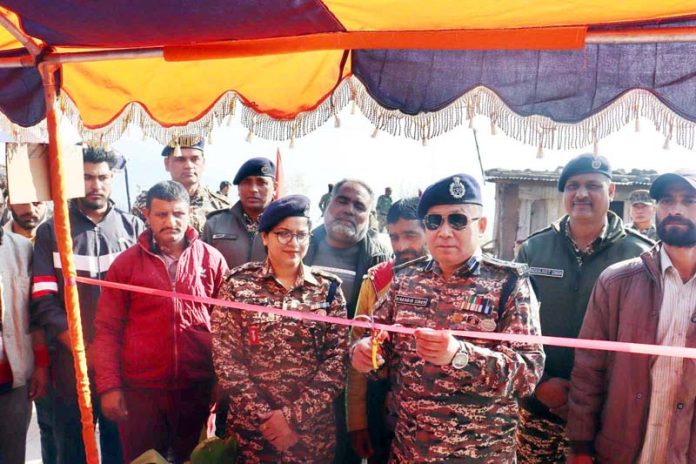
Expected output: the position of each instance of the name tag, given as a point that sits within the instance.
(412, 301)
(224, 237)
(546, 272)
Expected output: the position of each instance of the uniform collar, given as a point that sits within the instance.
(471, 267)
(304, 276)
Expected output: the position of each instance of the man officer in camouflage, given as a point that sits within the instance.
(565, 260)
(456, 398)
(234, 231)
(184, 160)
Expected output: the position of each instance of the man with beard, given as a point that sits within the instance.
(368, 428)
(234, 231)
(153, 355)
(184, 160)
(565, 260)
(26, 218)
(345, 246)
(100, 232)
(627, 408)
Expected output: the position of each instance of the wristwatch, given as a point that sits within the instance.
(460, 359)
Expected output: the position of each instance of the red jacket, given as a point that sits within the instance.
(146, 341)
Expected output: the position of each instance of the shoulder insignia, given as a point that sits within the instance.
(326, 275)
(216, 212)
(251, 266)
(518, 268)
(540, 232)
(414, 262)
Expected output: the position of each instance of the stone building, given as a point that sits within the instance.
(526, 201)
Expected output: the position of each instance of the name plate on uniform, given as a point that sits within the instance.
(412, 301)
(546, 272)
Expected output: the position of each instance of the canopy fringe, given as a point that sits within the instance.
(533, 130)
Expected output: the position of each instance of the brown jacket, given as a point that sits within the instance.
(610, 392)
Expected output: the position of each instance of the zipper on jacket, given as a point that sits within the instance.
(172, 285)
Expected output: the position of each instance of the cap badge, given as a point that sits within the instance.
(265, 170)
(596, 163)
(456, 188)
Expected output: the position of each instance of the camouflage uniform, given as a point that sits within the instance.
(265, 362)
(650, 232)
(384, 202)
(468, 415)
(202, 202)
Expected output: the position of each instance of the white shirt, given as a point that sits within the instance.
(678, 302)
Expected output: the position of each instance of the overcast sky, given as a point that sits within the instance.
(330, 154)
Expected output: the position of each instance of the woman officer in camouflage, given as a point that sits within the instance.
(281, 374)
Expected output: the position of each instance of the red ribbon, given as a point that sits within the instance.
(577, 343)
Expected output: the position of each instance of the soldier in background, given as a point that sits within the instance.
(184, 160)
(281, 375)
(225, 187)
(384, 202)
(456, 399)
(369, 427)
(234, 231)
(643, 213)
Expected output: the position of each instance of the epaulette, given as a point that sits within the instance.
(244, 267)
(539, 232)
(635, 233)
(326, 275)
(216, 212)
(413, 262)
(518, 268)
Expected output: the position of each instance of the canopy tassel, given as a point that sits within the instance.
(669, 136)
(493, 129)
(250, 135)
(636, 110)
(337, 121)
(595, 142)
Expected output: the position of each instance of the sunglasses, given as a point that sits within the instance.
(456, 221)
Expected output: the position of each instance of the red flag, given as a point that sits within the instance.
(279, 177)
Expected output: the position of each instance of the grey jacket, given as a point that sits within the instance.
(15, 286)
(372, 252)
(225, 230)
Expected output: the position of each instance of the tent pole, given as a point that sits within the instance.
(26, 42)
(64, 243)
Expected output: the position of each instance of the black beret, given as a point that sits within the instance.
(184, 141)
(288, 206)
(262, 167)
(458, 189)
(584, 164)
(684, 176)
